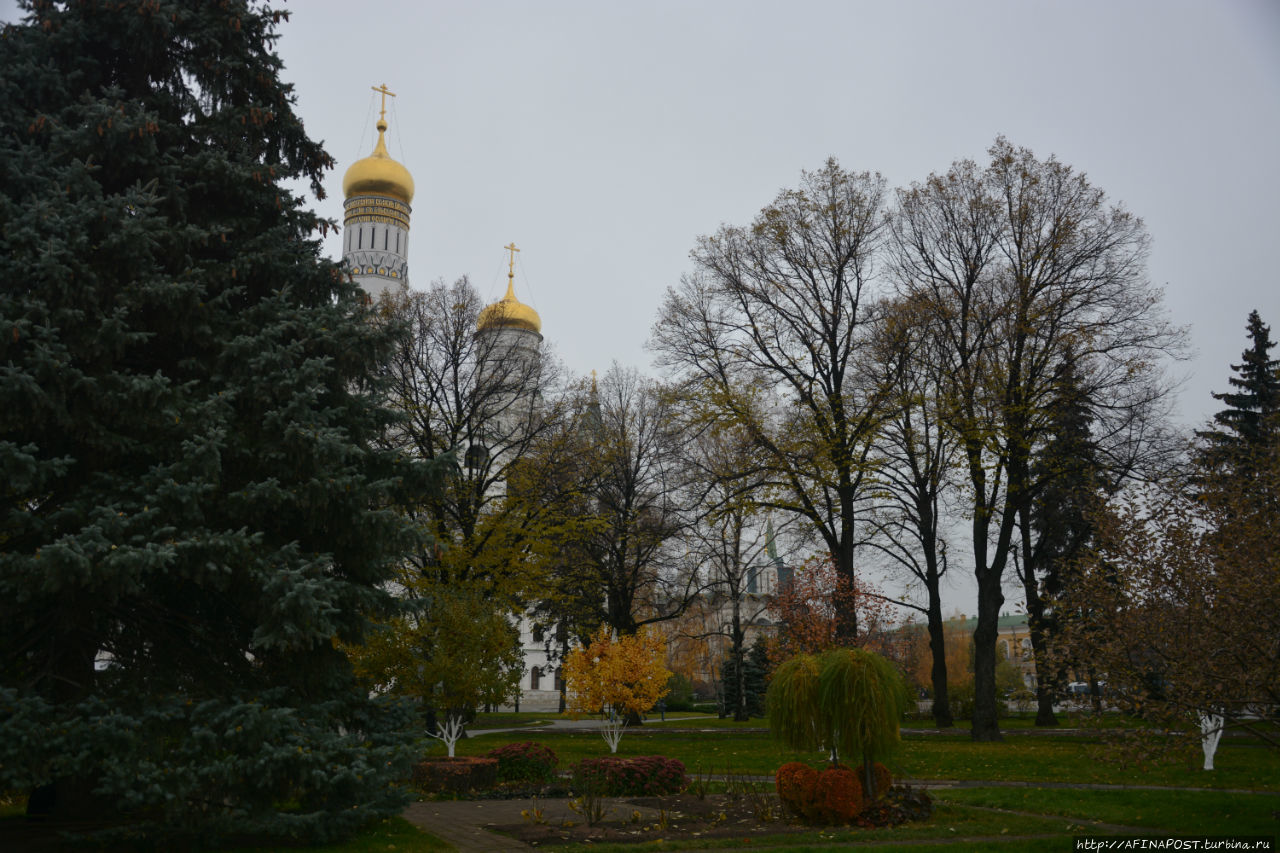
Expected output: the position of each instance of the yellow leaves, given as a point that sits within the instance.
(620, 674)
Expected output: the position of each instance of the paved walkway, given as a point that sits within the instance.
(589, 724)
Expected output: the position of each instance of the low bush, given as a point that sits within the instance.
(898, 805)
(961, 698)
(679, 693)
(645, 775)
(960, 701)
(456, 776)
(832, 796)
(837, 796)
(796, 782)
(525, 763)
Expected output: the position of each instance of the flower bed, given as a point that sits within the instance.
(456, 776)
(833, 796)
(645, 775)
(525, 763)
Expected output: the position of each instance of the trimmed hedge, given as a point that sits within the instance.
(455, 775)
(526, 762)
(645, 775)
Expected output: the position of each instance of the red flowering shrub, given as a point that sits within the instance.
(455, 775)
(795, 783)
(837, 796)
(526, 762)
(833, 795)
(645, 775)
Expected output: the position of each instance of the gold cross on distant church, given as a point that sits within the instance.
(382, 116)
(511, 266)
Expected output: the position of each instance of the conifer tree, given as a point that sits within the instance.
(192, 509)
(1058, 524)
(1250, 420)
(754, 681)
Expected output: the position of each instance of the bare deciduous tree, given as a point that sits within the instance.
(1023, 264)
(1176, 601)
(729, 540)
(470, 398)
(764, 335)
(916, 455)
(627, 559)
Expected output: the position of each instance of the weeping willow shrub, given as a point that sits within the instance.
(863, 697)
(848, 700)
(790, 703)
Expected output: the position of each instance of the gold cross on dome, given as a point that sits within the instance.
(511, 265)
(382, 115)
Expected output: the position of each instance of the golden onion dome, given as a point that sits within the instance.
(378, 174)
(509, 313)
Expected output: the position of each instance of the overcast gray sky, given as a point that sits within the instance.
(604, 137)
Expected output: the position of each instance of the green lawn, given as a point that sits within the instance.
(1035, 817)
(1040, 758)
(949, 821)
(1181, 812)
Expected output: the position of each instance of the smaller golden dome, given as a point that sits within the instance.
(509, 313)
(378, 174)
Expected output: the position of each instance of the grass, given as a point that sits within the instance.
(1046, 758)
(1020, 818)
(949, 822)
(1030, 820)
(1179, 812)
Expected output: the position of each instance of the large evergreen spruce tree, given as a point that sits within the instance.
(192, 512)
(1252, 417)
(1059, 526)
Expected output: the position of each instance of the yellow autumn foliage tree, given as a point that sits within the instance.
(617, 677)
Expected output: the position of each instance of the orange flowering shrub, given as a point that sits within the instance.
(832, 796)
(837, 796)
(795, 783)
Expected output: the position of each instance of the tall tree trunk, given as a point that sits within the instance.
(846, 615)
(988, 570)
(986, 725)
(1035, 623)
(938, 648)
(740, 671)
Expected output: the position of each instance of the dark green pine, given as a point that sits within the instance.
(193, 508)
(1249, 422)
(755, 668)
